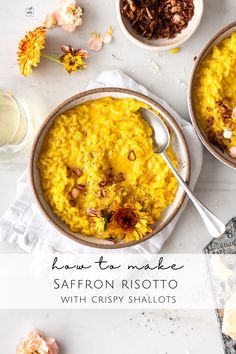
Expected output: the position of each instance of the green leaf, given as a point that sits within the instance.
(107, 218)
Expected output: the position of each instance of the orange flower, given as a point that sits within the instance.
(30, 50)
(129, 222)
(126, 218)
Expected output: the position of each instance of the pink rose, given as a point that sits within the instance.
(36, 343)
(69, 15)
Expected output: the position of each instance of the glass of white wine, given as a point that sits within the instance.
(15, 122)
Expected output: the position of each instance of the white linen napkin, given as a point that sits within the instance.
(24, 225)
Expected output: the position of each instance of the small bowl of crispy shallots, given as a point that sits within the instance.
(159, 24)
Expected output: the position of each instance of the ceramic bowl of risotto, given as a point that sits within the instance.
(212, 95)
(95, 175)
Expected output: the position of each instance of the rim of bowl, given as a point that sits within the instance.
(150, 46)
(226, 159)
(109, 90)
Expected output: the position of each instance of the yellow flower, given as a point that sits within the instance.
(29, 50)
(73, 60)
(29, 53)
(127, 223)
(130, 223)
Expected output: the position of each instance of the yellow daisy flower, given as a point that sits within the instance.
(29, 50)
(73, 60)
(129, 222)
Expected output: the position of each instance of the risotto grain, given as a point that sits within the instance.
(215, 95)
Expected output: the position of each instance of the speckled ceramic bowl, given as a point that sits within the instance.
(165, 43)
(178, 145)
(217, 38)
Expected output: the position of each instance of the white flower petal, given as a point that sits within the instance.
(106, 38)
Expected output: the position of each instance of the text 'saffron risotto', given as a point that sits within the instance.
(214, 96)
(99, 172)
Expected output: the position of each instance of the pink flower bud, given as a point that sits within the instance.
(51, 20)
(95, 42)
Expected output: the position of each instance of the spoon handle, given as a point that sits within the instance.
(215, 227)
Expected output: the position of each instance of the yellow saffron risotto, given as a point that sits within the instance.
(99, 172)
(215, 95)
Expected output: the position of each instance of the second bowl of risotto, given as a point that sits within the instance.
(212, 95)
(94, 172)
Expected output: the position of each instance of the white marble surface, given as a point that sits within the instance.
(195, 332)
(106, 332)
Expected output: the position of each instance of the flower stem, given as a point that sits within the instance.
(47, 56)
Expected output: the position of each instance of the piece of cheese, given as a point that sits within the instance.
(229, 319)
(219, 267)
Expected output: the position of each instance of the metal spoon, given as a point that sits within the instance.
(161, 140)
